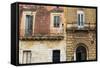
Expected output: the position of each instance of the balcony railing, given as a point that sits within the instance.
(86, 26)
(54, 34)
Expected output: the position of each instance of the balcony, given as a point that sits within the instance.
(55, 34)
(74, 26)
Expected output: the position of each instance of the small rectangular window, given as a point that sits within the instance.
(28, 25)
(80, 19)
(26, 56)
(56, 21)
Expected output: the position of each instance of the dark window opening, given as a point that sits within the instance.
(28, 25)
(56, 21)
(56, 56)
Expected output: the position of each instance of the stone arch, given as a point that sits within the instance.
(82, 44)
(82, 48)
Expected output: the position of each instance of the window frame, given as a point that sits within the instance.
(33, 13)
(27, 27)
(52, 20)
(80, 18)
(27, 54)
(56, 21)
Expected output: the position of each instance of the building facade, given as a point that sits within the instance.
(80, 34)
(42, 36)
(56, 34)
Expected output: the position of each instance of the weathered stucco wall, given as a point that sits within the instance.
(42, 50)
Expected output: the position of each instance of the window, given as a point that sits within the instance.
(56, 21)
(56, 56)
(80, 19)
(28, 25)
(26, 56)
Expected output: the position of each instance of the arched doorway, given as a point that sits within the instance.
(81, 53)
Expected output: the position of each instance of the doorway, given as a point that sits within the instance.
(81, 54)
(56, 56)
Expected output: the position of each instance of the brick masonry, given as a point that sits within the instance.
(42, 21)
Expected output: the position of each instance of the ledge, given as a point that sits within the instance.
(43, 38)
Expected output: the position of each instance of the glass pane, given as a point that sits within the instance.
(81, 19)
(56, 21)
(78, 19)
(28, 25)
